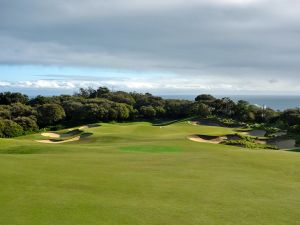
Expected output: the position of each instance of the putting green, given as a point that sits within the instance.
(140, 174)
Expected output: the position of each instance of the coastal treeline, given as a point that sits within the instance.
(21, 115)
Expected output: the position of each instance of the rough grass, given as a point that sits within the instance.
(95, 181)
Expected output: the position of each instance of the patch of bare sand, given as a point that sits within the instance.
(59, 142)
(51, 135)
(206, 139)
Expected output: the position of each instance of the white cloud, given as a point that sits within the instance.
(215, 45)
(165, 84)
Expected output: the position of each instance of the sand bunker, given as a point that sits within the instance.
(54, 137)
(206, 139)
(67, 134)
(71, 133)
(59, 142)
(218, 139)
(206, 123)
(88, 126)
(51, 135)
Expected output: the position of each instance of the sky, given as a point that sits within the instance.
(158, 46)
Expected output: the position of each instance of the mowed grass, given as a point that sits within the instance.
(139, 174)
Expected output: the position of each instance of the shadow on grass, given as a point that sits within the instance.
(169, 122)
(22, 150)
(294, 150)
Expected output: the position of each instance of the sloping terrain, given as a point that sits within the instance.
(140, 174)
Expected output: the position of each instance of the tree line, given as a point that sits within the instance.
(21, 115)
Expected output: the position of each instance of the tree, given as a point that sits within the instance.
(177, 108)
(41, 100)
(122, 110)
(49, 114)
(291, 116)
(9, 128)
(148, 112)
(89, 112)
(72, 109)
(27, 123)
(8, 98)
(206, 99)
(5, 112)
(200, 109)
(102, 91)
(120, 97)
(224, 107)
(2, 125)
(21, 110)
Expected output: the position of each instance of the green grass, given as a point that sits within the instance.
(140, 174)
(149, 148)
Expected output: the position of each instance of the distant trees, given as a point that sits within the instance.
(9, 128)
(19, 115)
(148, 112)
(29, 124)
(291, 116)
(177, 108)
(200, 109)
(8, 98)
(205, 98)
(48, 114)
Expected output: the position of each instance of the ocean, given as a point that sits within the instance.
(275, 102)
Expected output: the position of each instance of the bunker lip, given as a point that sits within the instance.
(67, 134)
(51, 141)
(206, 138)
(75, 135)
(51, 135)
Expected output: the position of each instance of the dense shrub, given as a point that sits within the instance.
(249, 144)
(9, 128)
(27, 123)
(148, 112)
(101, 104)
(49, 114)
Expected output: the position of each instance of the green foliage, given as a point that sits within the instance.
(49, 114)
(94, 105)
(270, 130)
(27, 123)
(9, 128)
(8, 98)
(148, 112)
(249, 142)
(200, 110)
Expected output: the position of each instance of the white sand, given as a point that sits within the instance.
(83, 127)
(51, 135)
(59, 142)
(196, 138)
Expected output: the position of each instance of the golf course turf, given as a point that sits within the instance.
(140, 174)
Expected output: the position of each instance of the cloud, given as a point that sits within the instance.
(227, 41)
(161, 85)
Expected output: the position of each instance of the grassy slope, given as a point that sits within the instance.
(95, 181)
